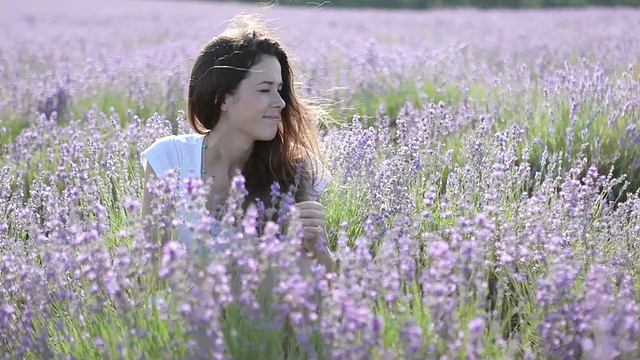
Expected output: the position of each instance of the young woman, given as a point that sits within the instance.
(246, 117)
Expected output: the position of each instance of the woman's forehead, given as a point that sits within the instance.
(266, 70)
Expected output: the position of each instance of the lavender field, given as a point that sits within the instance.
(484, 202)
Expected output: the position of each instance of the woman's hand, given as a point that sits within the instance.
(312, 219)
(314, 241)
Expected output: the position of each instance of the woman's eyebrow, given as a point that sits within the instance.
(269, 83)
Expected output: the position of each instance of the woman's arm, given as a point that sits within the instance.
(151, 232)
(322, 252)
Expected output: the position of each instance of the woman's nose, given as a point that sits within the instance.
(279, 101)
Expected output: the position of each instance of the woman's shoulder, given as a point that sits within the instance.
(173, 143)
(177, 139)
(189, 139)
(169, 152)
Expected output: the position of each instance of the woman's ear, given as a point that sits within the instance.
(223, 100)
(228, 99)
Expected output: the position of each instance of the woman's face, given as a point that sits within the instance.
(254, 110)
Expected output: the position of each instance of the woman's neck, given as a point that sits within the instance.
(227, 151)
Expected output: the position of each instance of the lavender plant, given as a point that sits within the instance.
(484, 200)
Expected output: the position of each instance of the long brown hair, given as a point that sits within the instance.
(218, 70)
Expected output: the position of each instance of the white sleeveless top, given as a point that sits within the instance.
(184, 153)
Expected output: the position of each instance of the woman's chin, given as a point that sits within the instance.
(266, 136)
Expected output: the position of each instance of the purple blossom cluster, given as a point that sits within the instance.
(479, 220)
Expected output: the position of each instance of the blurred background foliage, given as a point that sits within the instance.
(431, 4)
